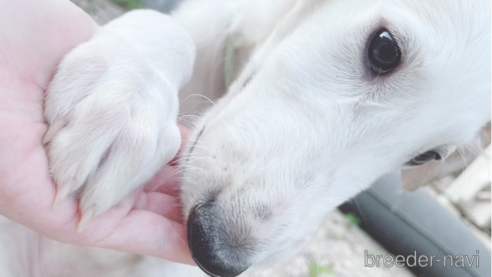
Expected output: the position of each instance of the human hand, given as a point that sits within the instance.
(35, 35)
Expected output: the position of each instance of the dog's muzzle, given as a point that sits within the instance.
(212, 247)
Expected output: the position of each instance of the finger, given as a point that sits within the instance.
(161, 204)
(137, 231)
(147, 233)
(81, 232)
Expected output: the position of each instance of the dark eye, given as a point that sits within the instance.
(384, 54)
(424, 157)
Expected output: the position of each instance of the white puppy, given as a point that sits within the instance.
(326, 97)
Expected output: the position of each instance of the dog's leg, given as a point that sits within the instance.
(112, 109)
(209, 25)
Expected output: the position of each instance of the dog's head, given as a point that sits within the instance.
(341, 93)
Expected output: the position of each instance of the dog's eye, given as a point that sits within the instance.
(424, 157)
(384, 54)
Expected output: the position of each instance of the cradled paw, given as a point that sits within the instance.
(112, 125)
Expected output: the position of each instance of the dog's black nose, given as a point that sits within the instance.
(210, 245)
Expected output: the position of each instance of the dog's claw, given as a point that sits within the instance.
(61, 195)
(87, 217)
(53, 129)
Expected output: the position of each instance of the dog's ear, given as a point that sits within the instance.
(252, 30)
(270, 21)
(300, 11)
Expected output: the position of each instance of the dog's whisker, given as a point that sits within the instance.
(194, 160)
(195, 117)
(166, 179)
(187, 121)
(199, 95)
(463, 175)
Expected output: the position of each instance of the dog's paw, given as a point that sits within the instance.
(112, 124)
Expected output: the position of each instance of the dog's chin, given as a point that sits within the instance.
(282, 255)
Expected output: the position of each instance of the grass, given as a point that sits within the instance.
(316, 270)
(352, 219)
(128, 4)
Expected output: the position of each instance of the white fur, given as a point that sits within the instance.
(304, 126)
